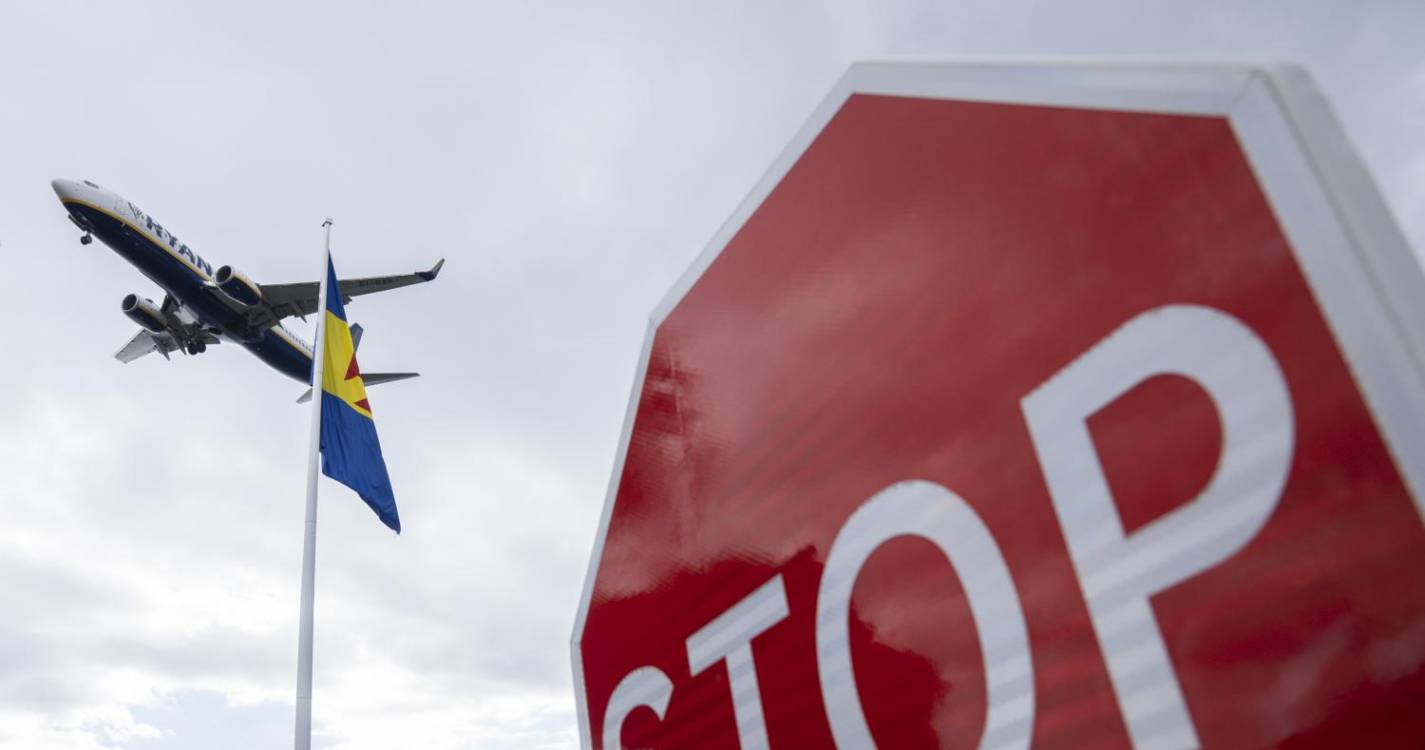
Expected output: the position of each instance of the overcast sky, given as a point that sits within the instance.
(569, 160)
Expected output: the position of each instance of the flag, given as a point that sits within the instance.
(351, 453)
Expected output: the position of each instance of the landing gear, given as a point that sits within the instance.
(86, 239)
(196, 347)
(202, 346)
(191, 348)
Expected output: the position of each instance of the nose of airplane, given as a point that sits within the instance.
(64, 188)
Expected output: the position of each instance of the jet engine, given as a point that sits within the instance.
(144, 312)
(236, 286)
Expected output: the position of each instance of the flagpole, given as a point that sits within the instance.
(309, 539)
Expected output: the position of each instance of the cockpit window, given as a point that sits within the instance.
(90, 184)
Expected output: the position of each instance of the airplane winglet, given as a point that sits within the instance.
(433, 272)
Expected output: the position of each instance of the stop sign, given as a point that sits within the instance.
(1027, 405)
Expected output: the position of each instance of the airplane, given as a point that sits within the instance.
(203, 306)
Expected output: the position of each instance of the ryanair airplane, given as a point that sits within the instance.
(202, 306)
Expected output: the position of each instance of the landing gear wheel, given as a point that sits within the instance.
(191, 348)
(86, 239)
(202, 346)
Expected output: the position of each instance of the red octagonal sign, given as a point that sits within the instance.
(1021, 406)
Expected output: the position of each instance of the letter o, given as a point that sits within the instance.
(932, 512)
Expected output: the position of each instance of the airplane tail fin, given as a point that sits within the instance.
(370, 378)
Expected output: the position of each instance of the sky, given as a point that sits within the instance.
(569, 160)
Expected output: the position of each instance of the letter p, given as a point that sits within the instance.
(1119, 572)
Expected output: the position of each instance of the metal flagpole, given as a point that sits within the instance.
(309, 539)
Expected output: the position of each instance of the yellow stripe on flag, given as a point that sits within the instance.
(340, 375)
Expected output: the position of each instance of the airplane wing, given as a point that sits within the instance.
(143, 343)
(286, 300)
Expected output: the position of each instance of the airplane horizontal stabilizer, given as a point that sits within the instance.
(143, 343)
(373, 378)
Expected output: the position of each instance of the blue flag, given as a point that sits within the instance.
(351, 453)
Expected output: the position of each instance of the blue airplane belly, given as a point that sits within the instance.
(282, 356)
(278, 350)
(160, 266)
